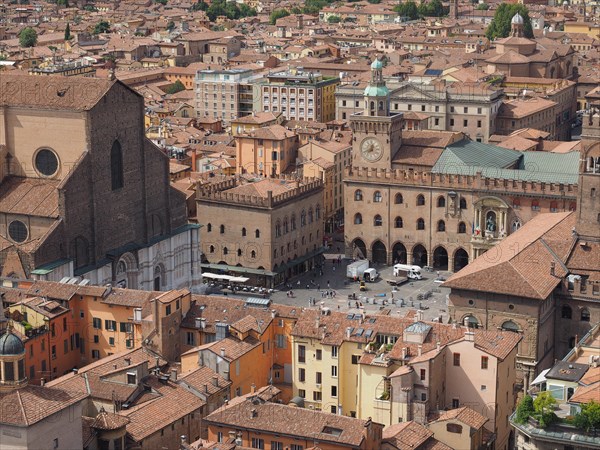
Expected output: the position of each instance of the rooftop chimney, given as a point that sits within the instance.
(552, 268)
(404, 353)
(348, 331)
(419, 349)
(173, 375)
(252, 388)
(127, 361)
(222, 352)
(420, 315)
(42, 382)
(206, 388)
(253, 413)
(438, 345)
(215, 380)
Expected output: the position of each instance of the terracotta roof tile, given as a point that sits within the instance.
(466, 415)
(304, 423)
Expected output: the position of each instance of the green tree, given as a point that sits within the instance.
(334, 19)
(170, 26)
(101, 27)
(374, 2)
(162, 2)
(408, 9)
(64, 3)
(589, 417)
(90, 8)
(296, 10)
(278, 14)
(28, 37)
(483, 7)
(315, 6)
(434, 8)
(246, 11)
(68, 32)
(544, 405)
(175, 88)
(501, 23)
(199, 6)
(524, 410)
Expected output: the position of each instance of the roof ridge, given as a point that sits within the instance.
(22, 407)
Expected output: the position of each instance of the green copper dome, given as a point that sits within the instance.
(376, 91)
(376, 65)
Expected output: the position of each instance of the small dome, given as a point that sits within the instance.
(517, 19)
(11, 345)
(376, 91)
(377, 64)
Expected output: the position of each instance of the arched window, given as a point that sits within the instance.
(516, 225)
(463, 203)
(585, 315)
(211, 249)
(357, 219)
(243, 231)
(566, 312)
(225, 251)
(257, 233)
(509, 325)
(116, 166)
(441, 202)
(420, 200)
(303, 218)
(253, 254)
(239, 252)
(222, 229)
(398, 222)
(462, 228)
(420, 224)
(441, 225)
(293, 222)
(471, 321)
(398, 199)
(277, 228)
(286, 226)
(377, 221)
(310, 215)
(377, 197)
(318, 212)
(358, 195)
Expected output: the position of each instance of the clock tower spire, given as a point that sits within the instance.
(377, 133)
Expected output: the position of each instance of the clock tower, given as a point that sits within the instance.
(377, 133)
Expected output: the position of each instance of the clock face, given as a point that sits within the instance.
(371, 149)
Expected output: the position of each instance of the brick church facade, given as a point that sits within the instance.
(84, 194)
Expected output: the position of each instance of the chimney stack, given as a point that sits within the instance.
(419, 349)
(552, 268)
(348, 332)
(404, 353)
(127, 361)
(252, 388)
(222, 352)
(215, 381)
(253, 413)
(173, 375)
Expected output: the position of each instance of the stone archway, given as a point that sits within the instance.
(399, 255)
(419, 255)
(440, 258)
(359, 249)
(379, 253)
(461, 259)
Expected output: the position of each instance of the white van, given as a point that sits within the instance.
(412, 272)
